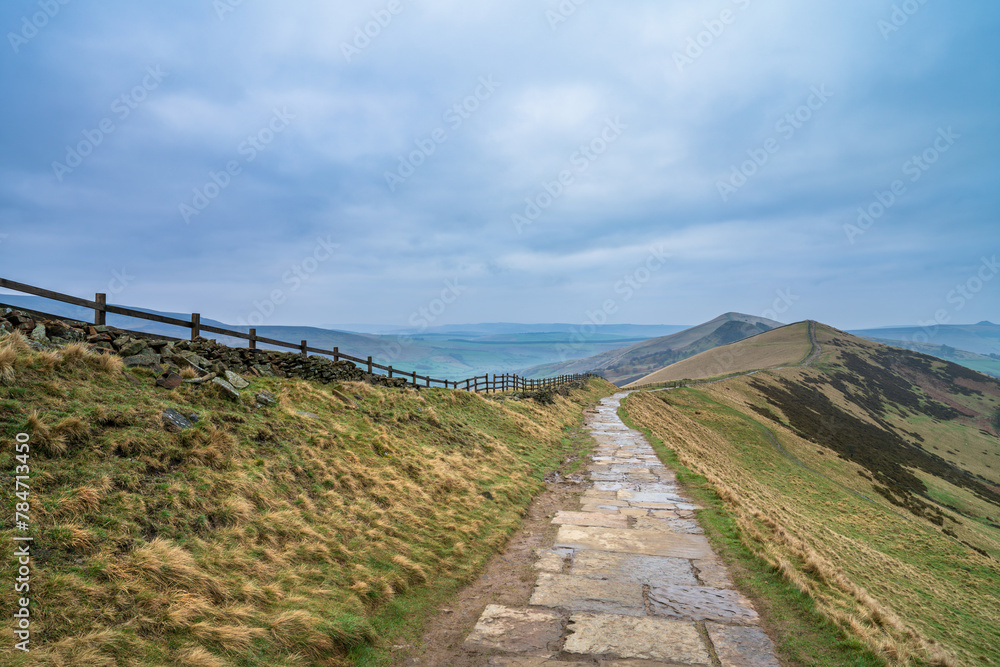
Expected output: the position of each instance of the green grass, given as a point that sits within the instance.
(801, 633)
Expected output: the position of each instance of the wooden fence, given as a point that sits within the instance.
(101, 307)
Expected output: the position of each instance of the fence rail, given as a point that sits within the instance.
(100, 306)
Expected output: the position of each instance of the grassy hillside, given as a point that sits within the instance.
(786, 346)
(308, 532)
(869, 480)
(627, 364)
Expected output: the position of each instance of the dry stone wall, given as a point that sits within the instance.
(208, 358)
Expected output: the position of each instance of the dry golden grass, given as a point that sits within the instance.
(110, 363)
(197, 656)
(787, 346)
(47, 438)
(16, 341)
(47, 360)
(80, 501)
(8, 360)
(77, 354)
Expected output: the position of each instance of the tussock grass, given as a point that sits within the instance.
(260, 536)
(16, 341)
(8, 359)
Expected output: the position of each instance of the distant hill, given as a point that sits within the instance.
(627, 364)
(785, 346)
(981, 338)
(445, 353)
(868, 478)
(978, 362)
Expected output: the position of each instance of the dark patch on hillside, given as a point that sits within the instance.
(884, 378)
(767, 413)
(878, 448)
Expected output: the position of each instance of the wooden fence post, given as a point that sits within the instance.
(195, 325)
(253, 339)
(302, 346)
(99, 312)
(390, 371)
(369, 365)
(336, 353)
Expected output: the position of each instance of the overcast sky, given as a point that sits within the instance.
(448, 161)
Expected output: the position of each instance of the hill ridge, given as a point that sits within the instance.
(628, 363)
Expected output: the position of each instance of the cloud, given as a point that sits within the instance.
(359, 116)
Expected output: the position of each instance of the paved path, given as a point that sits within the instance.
(630, 581)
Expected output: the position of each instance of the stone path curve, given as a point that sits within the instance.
(630, 581)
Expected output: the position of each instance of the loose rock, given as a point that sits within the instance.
(174, 421)
(172, 381)
(228, 389)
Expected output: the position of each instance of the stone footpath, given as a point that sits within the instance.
(631, 580)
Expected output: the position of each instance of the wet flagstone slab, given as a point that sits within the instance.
(550, 560)
(742, 646)
(516, 630)
(576, 593)
(632, 567)
(670, 525)
(713, 573)
(701, 603)
(644, 638)
(648, 542)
